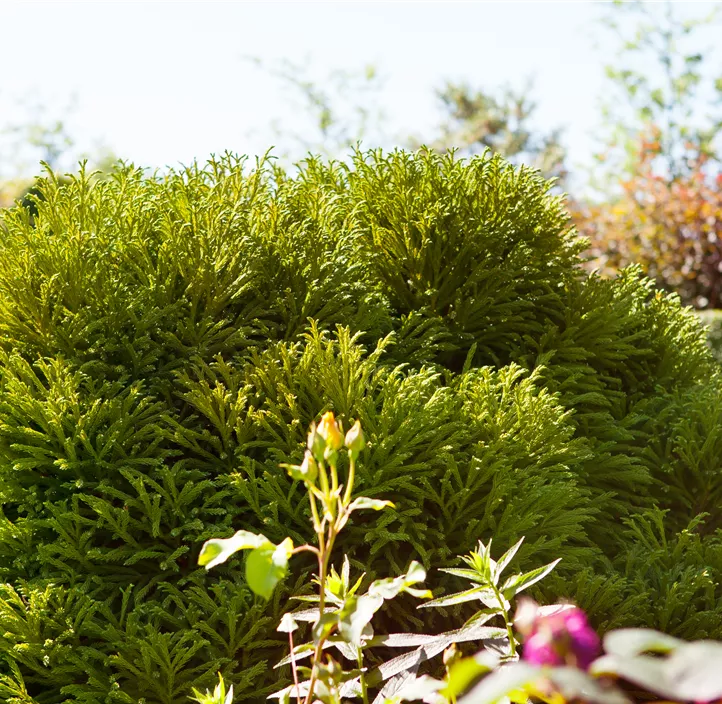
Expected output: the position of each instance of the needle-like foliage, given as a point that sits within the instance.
(165, 342)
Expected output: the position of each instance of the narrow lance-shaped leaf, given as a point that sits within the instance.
(464, 573)
(483, 594)
(364, 502)
(506, 558)
(519, 582)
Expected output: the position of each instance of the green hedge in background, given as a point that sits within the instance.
(165, 342)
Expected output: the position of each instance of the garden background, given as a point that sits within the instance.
(169, 331)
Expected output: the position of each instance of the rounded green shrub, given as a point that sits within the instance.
(165, 342)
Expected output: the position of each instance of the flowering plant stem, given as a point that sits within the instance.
(334, 514)
(507, 620)
(331, 508)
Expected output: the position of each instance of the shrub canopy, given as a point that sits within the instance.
(165, 342)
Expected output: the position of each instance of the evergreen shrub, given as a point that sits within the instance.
(165, 341)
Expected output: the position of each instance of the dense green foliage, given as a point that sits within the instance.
(166, 342)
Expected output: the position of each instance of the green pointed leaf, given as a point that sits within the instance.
(311, 615)
(364, 502)
(415, 574)
(507, 557)
(481, 617)
(518, 582)
(300, 652)
(348, 650)
(346, 572)
(219, 696)
(419, 593)
(218, 550)
(390, 588)
(474, 594)
(323, 627)
(388, 692)
(402, 640)
(432, 647)
(472, 575)
(415, 689)
(357, 584)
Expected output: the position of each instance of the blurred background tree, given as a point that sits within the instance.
(658, 83)
(654, 190)
(657, 199)
(39, 135)
(342, 110)
(328, 115)
(475, 120)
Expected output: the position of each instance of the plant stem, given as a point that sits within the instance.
(364, 689)
(351, 478)
(334, 476)
(509, 629)
(314, 513)
(304, 548)
(324, 553)
(293, 667)
(323, 477)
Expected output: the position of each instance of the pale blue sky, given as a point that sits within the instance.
(163, 83)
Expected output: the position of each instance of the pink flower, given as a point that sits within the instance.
(559, 635)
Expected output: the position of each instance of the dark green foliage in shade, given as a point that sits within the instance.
(166, 341)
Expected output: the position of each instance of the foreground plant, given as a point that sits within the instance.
(218, 696)
(342, 616)
(485, 575)
(560, 664)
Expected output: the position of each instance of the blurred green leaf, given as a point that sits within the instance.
(501, 683)
(576, 685)
(356, 615)
(690, 673)
(266, 566)
(628, 642)
(463, 673)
